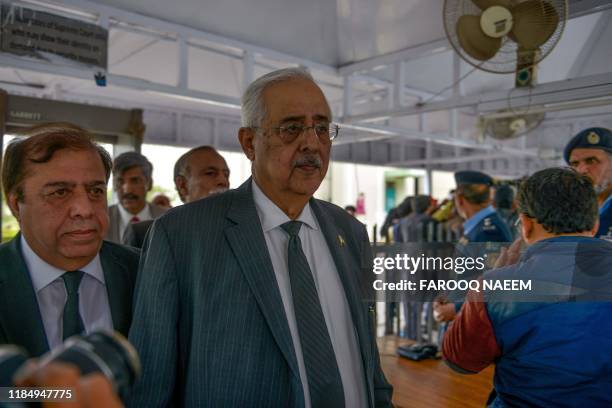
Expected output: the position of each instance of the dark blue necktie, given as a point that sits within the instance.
(322, 371)
(71, 319)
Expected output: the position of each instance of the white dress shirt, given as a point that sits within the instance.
(126, 217)
(329, 287)
(51, 295)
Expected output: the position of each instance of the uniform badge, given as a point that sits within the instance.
(341, 241)
(488, 225)
(593, 138)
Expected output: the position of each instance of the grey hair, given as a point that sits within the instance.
(128, 160)
(181, 168)
(253, 108)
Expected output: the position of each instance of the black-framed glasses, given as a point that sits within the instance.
(324, 131)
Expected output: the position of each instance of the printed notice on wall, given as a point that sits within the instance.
(44, 35)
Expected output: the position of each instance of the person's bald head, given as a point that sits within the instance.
(200, 172)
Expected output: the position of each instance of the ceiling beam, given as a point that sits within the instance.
(84, 73)
(590, 87)
(371, 133)
(450, 159)
(419, 51)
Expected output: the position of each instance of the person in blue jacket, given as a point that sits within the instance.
(550, 344)
(590, 153)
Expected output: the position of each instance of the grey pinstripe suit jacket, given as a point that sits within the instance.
(209, 322)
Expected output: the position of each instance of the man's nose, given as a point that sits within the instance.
(81, 204)
(126, 187)
(309, 139)
(582, 168)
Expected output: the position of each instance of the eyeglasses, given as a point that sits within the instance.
(518, 221)
(324, 131)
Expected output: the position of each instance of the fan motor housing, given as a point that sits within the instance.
(496, 21)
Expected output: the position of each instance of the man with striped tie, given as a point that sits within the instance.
(252, 298)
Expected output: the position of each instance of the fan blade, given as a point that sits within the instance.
(485, 4)
(473, 41)
(535, 21)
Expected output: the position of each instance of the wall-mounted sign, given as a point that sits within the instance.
(44, 35)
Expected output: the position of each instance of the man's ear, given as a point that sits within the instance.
(181, 186)
(13, 204)
(246, 136)
(527, 225)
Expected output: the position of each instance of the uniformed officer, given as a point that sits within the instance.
(590, 153)
(482, 224)
(473, 203)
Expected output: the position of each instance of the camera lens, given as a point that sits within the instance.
(107, 353)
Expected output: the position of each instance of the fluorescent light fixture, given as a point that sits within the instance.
(195, 99)
(551, 107)
(369, 129)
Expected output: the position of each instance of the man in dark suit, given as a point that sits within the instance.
(198, 173)
(57, 277)
(251, 298)
(132, 179)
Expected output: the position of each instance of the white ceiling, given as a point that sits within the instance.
(335, 38)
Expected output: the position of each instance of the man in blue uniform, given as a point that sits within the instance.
(590, 153)
(482, 224)
(550, 344)
(473, 202)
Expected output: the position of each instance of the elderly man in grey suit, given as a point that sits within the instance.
(132, 179)
(251, 298)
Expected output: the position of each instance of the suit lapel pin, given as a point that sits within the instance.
(341, 241)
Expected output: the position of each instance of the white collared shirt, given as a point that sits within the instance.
(329, 287)
(51, 295)
(126, 217)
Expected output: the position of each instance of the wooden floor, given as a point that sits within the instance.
(430, 383)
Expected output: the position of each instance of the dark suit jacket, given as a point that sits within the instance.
(209, 322)
(20, 318)
(114, 234)
(135, 234)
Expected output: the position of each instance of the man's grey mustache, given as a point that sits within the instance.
(310, 160)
